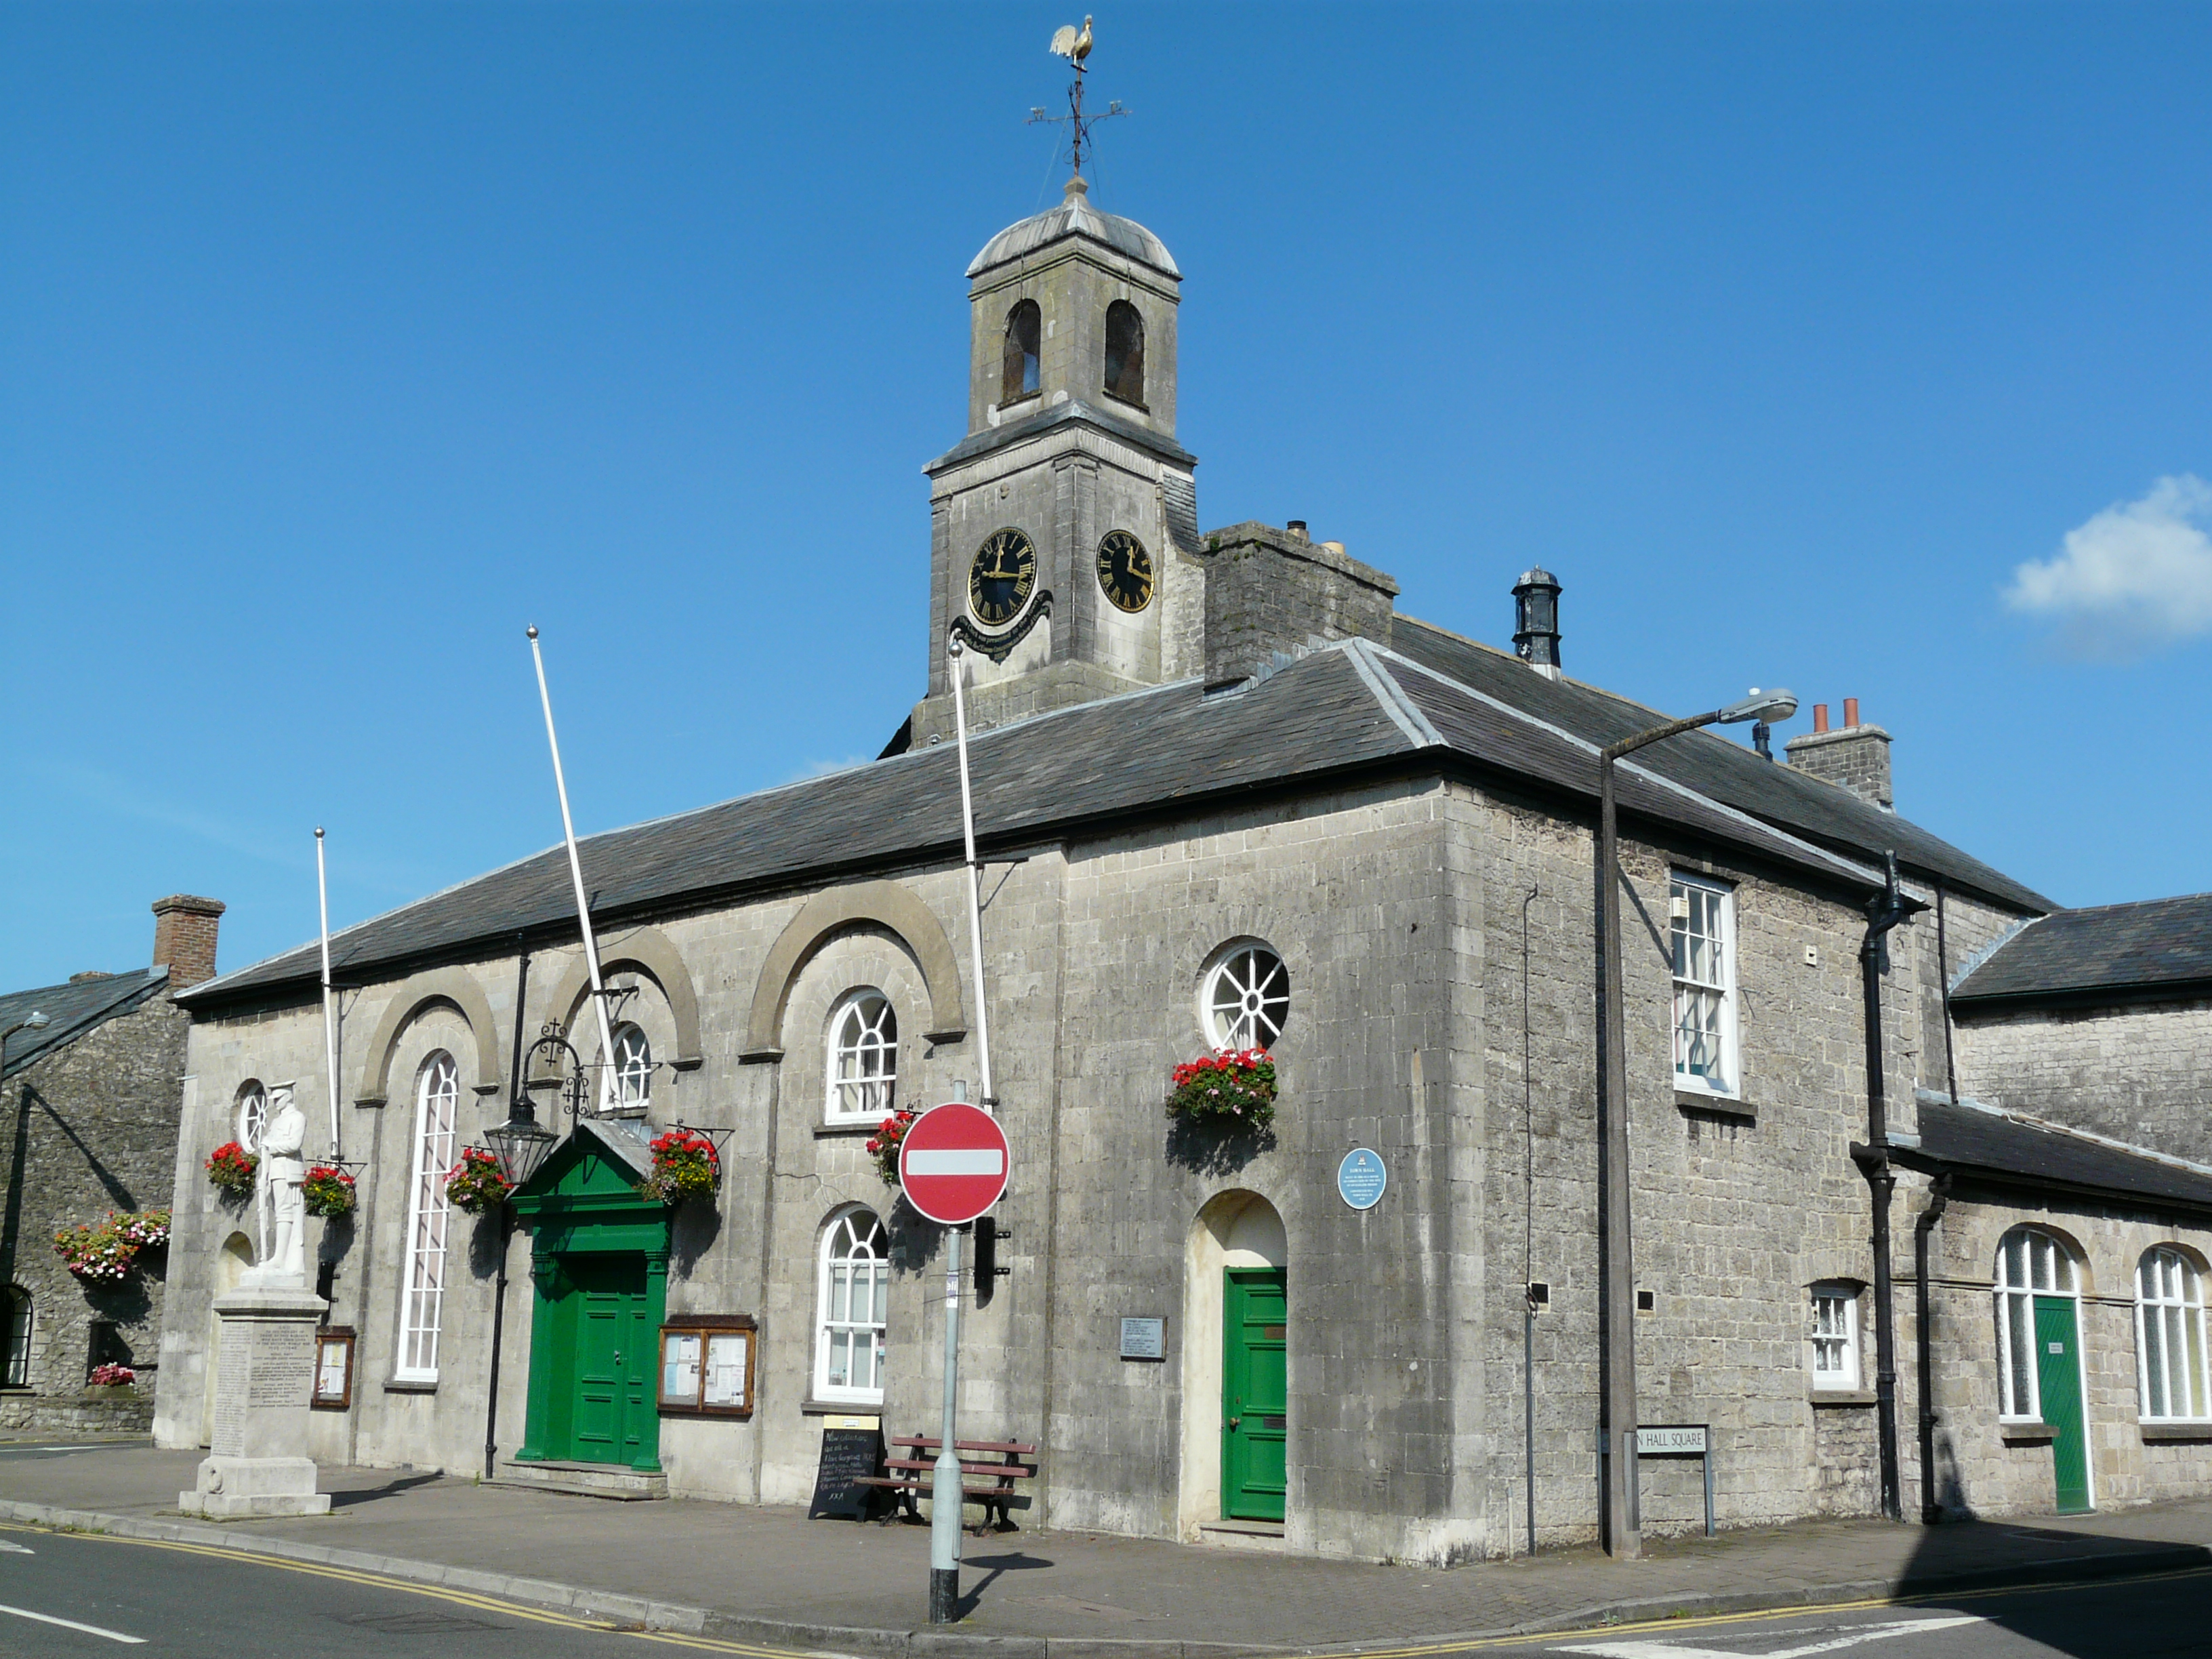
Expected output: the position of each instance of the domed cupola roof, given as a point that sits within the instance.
(1075, 217)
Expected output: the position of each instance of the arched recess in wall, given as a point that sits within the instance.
(645, 950)
(450, 987)
(883, 904)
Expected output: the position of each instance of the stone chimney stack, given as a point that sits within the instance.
(1855, 758)
(183, 938)
(1270, 591)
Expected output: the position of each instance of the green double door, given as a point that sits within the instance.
(601, 1333)
(2058, 1386)
(1255, 1394)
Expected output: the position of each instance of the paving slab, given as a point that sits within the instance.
(769, 1574)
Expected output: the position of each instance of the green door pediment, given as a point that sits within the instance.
(585, 1197)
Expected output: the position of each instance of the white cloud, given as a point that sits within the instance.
(2136, 577)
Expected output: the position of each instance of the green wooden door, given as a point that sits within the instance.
(1255, 1394)
(2058, 1383)
(611, 1357)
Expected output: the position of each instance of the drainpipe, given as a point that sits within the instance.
(1932, 1508)
(1885, 912)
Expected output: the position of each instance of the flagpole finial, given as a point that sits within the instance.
(532, 631)
(318, 832)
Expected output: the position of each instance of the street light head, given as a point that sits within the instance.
(1772, 707)
(37, 1021)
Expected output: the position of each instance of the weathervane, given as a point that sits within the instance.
(1074, 45)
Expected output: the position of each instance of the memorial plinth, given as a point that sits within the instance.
(258, 1462)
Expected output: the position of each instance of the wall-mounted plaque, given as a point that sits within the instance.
(707, 1365)
(333, 1391)
(1144, 1338)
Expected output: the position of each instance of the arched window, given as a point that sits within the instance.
(1125, 352)
(2029, 1264)
(1247, 998)
(627, 1083)
(2170, 1336)
(252, 1116)
(856, 1274)
(863, 1067)
(437, 1096)
(15, 1332)
(1018, 369)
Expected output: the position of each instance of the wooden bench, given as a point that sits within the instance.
(990, 1484)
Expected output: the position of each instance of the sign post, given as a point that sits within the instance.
(952, 1168)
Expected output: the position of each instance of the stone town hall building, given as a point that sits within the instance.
(1228, 794)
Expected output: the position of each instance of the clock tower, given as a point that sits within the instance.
(1064, 528)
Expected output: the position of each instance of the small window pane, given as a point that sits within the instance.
(863, 1057)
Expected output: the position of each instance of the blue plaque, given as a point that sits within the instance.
(1361, 1178)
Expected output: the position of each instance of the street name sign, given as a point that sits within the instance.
(1680, 1440)
(953, 1164)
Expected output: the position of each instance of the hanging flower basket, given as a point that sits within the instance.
(104, 1252)
(111, 1377)
(684, 1165)
(231, 1168)
(475, 1184)
(327, 1191)
(884, 1144)
(1234, 1087)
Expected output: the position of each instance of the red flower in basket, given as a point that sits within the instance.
(1236, 1087)
(884, 1144)
(684, 1165)
(475, 1183)
(231, 1168)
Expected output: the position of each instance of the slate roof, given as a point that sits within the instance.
(1346, 710)
(1713, 766)
(74, 1010)
(1075, 217)
(1972, 1139)
(2158, 945)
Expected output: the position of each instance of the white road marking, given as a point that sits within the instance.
(1664, 1649)
(114, 1635)
(15, 1549)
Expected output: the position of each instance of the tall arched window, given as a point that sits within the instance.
(1018, 369)
(1247, 998)
(1125, 352)
(251, 1117)
(856, 1275)
(627, 1083)
(863, 1067)
(2029, 1264)
(15, 1332)
(2170, 1337)
(437, 1096)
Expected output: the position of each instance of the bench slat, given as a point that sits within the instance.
(1004, 1471)
(930, 1443)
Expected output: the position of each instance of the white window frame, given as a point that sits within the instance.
(15, 1298)
(626, 1080)
(2044, 1268)
(1683, 889)
(855, 1236)
(1241, 1002)
(1833, 1326)
(429, 1219)
(2170, 1345)
(251, 1118)
(876, 1092)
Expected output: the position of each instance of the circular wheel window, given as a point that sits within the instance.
(1248, 999)
(252, 1119)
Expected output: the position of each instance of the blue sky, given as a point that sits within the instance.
(338, 342)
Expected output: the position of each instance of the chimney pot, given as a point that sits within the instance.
(1850, 711)
(1296, 527)
(1820, 717)
(183, 938)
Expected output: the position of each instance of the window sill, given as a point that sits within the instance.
(1721, 1106)
(1126, 402)
(1006, 404)
(2027, 1434)
(410, 1385)
(1840, 1397)
(840, 1408)
(2201, 1432)
(845, 1131)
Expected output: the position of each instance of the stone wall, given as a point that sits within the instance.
(2135, 1072)
(1270, 591)
(94, 1127)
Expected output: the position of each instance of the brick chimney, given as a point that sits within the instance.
(183, 938)
(1855, 758)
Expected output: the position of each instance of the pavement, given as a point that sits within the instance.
(769, 1575)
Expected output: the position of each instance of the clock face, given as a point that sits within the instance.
(1002, 577)
(1125, 571)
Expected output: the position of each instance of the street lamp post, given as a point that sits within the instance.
(520, 1144)
(1616, 1276)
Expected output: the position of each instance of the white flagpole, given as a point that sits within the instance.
(975, 884)
(575, 866)
(330, 1008)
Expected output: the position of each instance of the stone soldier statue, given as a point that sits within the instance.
(276, 1193)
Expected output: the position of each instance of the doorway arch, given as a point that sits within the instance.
(1237, 1248)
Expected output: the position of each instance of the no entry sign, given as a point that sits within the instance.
(952, 1163)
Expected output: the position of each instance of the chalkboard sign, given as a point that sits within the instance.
(848, 1456)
